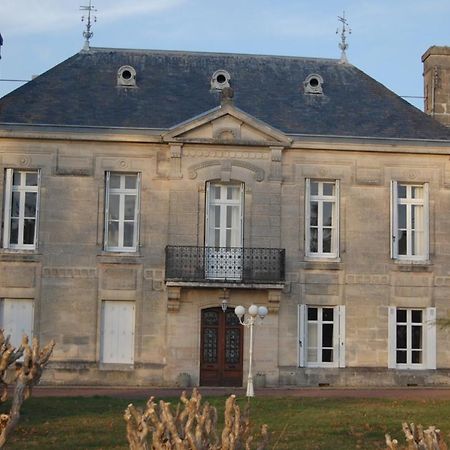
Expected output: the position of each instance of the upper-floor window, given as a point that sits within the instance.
(409, 221)
(122, 212)
(21, 209)
(322, 218)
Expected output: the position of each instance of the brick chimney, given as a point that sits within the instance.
(436, 77)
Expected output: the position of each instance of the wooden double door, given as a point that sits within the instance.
(221, 348)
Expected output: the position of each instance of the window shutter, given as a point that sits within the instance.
(106, 209)
(426, 221)
(7, 208)
(392, 339)
(307, 214)
(38, 204)
(301, 335)
(393, 213)
(337, 237)
(341, 340)
(430, 338)
(138, 212)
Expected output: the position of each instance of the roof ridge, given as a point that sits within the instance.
(206, 53)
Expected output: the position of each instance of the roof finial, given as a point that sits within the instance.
(87, 34)
(344, 31)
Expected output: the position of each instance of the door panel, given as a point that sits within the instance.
(221, 348)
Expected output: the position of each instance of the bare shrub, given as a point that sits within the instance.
(25, 375)
(418, 438)
(192, 426)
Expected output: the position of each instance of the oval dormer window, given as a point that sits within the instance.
(220, 79)
(126, 76)
(313, 84)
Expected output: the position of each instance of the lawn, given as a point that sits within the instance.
(295, 423)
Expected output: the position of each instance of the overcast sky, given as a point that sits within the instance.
(387, 41)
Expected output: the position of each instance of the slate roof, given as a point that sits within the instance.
(175, 86)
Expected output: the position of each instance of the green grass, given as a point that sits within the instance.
(295, 423)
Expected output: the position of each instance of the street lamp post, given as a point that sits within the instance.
(254, 312)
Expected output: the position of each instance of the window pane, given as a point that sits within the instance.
(314, 213)
(402, 242)
(327, 216)
(313, 244)
(417, 243)
(229, 212)
(417, 192)
(228, 238)
(16, 178)
(416, 337)
(417, 217)
(130, 205)
(327, 335)
(416, 357)
(312, 313)
(216, 192)
(314, 188)
(15, 204)
(14, 232)
(328, 188)
(401, 315)
(30, 204)
(402, 216)
(130, 181)
(327, 314)
(401, 191)
(401, 357)
(327, 355)
(28, 231)
(312, 355)
(114, 181)
(416, 316)
(31, 179)
(326, 240)
(114, 203)
(401, 336)
(113, 234)
(128, 234)
(232, 193)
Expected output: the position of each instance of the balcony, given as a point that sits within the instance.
(236, 265)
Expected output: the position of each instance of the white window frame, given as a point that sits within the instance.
(338, 337)
(23, 189)
(320, 198)
(122, 191)
(428, 339)
(395, 201)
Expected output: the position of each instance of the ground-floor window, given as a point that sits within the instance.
(321, 332)
(412, 338)
(117, 332)
(16, 319)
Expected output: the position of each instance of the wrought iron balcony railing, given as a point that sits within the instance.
(222, 264)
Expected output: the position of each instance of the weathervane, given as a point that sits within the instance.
(87, 34)
(345, 30)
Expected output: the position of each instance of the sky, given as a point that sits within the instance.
(387, 40)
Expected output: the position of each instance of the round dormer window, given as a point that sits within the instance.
(313, 84)
(220, 80)
(126, 76)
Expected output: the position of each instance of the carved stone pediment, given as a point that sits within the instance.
(227, 125)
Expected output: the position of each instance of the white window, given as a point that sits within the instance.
(16, 319)
(321, 336)
(117, 332)
(224, 237)
(409, 221)
(21, 210)
(122, 212)
(412, 338)
(322, 219)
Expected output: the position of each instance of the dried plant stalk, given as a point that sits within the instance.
(193, 426)
(418, 439)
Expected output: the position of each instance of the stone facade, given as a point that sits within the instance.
(363, 280)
